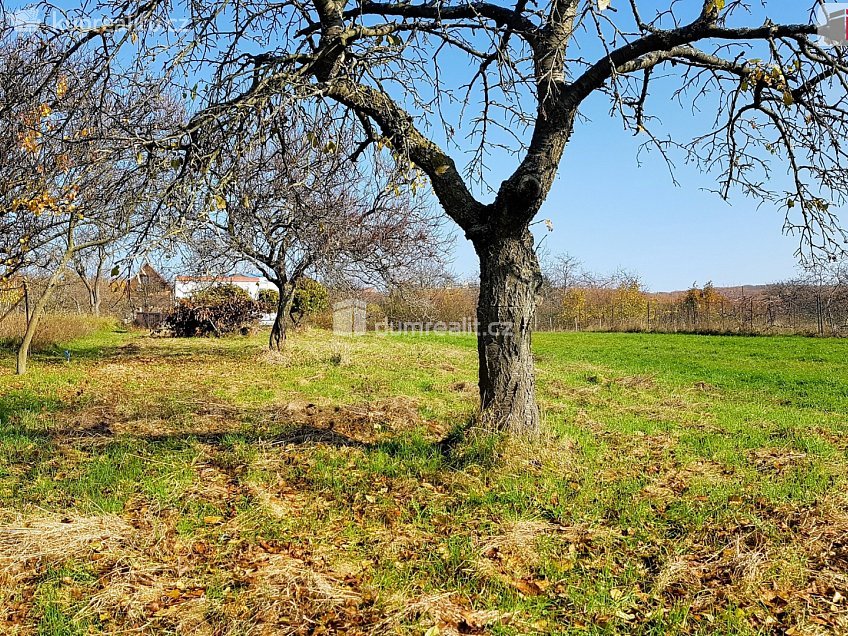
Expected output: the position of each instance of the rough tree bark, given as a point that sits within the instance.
(95, 301)
(510, 278)
(279, 330)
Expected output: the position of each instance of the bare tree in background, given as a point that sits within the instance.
(64, 190)
(294, 204)
(512, 79)
(415, 298)
(564, 271)
(92, 268)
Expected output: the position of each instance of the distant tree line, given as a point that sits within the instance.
(573, 299)
(814, 302)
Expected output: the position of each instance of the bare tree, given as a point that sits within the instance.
(91, 269)
(564, 271)
(65, 191)
(415, 297)
(294, 204)
(418, 77)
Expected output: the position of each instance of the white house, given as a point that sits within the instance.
(187, 286)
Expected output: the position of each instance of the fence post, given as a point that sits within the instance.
(752, 315)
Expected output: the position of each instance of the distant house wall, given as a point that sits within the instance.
(267, 285)
(148, 292)
(187, 286)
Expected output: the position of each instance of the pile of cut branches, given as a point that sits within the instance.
(219, 311)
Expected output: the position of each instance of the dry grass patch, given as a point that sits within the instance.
(130, 562)
(672, 481)
(778, 460)
(107, 422)
(294, 354)
(642, 382)
(512, 556)
(447, 614)
(33, 544)
(791, 580)
(547, 453)
(362, 423)
(572, 392)
(291, 591)
(54, 329)
(150, 582)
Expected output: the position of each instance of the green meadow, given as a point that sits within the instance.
(682, 485)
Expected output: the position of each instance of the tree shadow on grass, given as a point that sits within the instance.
(297, 435)
(384, 430)
(97, 466)
(457, 449)
(463, 446)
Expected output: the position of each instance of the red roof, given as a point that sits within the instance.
(219, 279)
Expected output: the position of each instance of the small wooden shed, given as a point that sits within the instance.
(349, 317)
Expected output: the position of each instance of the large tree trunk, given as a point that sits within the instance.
(510, 277)
(279, 330)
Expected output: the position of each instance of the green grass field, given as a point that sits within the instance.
(683, 485)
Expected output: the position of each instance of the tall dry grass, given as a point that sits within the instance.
(54, 329)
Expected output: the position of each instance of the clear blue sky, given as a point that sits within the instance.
(611, 212)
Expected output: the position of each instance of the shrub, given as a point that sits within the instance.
(310, 297)
(268, 300)
(219, 311)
